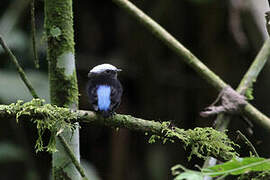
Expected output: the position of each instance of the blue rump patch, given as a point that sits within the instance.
(104, 99)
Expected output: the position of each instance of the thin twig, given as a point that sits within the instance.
(33, 28)
(72, 156)
(19, 68)
(12, 14)
(242, 136)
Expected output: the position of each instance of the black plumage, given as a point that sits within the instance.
(105, 78)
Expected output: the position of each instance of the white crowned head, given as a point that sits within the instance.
(102, 68)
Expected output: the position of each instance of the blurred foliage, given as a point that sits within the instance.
(201, 1)
(14, 89)
(11, 152)
(16, 40)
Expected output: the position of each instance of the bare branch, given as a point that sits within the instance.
(19, 68)
(189, 58)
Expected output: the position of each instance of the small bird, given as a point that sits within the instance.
(104, 89)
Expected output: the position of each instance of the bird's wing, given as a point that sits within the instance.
(93, 98)
(116, 93)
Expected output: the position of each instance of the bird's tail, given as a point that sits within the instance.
(106, 114)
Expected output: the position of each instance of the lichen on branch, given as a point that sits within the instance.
(47, 117)
(202, 141)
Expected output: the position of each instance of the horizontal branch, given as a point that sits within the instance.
(122, 121)
(55, 119)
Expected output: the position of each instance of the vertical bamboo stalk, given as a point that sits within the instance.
(63, 80)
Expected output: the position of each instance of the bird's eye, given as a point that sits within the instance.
(108, 71)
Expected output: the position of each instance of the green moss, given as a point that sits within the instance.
(47, 117)
(64, 89)
(55, 32)
(203, 142)
(249, 93)
(60, 38)
(58, 13)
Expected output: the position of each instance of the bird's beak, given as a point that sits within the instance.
(118, 70)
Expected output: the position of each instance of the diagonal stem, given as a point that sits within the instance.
(19, 68)
(172, 43)
(242, 136)
(255, 68)
(188, 57)
(247, 81)
(73, 158)
(33, 28)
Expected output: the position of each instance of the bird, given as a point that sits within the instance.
(104, 89)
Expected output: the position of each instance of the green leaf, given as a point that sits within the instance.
(238, 166)
(249, 94)
(189, 175)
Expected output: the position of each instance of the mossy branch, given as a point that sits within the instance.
(188, 57)
(202, 141)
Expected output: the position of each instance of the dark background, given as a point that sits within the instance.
(157, 84)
